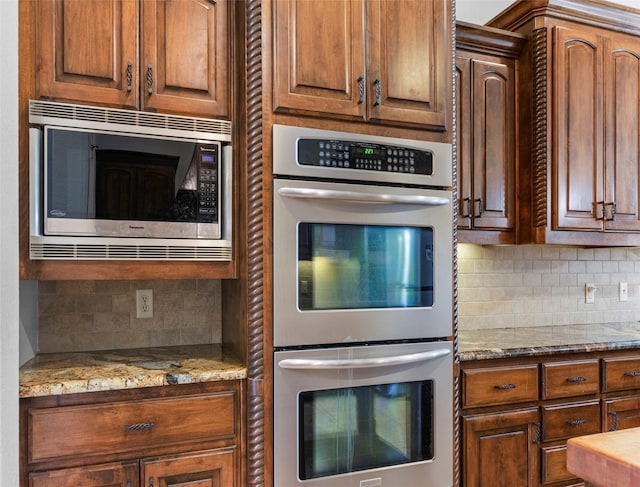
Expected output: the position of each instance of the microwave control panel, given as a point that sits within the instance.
(207, 183)
(364, 156)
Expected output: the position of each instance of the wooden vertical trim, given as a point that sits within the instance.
(255, 239)
(540, 117)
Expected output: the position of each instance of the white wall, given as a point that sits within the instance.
(481, 11)
(9, 317)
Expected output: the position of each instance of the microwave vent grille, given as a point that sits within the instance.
(83, 116)
(42, 250)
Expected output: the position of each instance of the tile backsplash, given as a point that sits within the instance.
(92, 315)
(540, 285)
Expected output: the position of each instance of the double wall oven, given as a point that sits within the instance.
(362, 310)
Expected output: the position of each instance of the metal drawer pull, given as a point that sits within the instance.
(573, 380)
(149, 79)
(633, 374)
(328, 194)
(505, 387)
(359, 363)
(360, 90)
(576, 422)
(139, 426)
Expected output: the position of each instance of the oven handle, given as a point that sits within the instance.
(360, 363)
(330, 194)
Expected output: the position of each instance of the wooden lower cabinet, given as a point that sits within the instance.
(170, 436)
(500, 450)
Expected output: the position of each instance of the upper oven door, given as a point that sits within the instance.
(356, 263)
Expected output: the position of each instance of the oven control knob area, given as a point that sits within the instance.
(364, 156)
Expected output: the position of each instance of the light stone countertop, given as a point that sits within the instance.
(546, 340)
(76, 372)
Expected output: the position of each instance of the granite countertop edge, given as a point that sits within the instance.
(500, 343)
(107, 370)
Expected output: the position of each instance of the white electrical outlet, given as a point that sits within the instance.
(623, 291)
(144, 303)
(590, 293)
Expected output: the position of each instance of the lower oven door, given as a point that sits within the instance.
(370, 416)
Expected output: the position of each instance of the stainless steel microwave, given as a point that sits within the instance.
(106, 185)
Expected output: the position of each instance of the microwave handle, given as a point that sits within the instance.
(330, 194)
(360, 363)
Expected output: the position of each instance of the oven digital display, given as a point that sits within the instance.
(366, 153)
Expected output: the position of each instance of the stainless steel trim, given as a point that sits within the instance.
(35, 183)
(327, 194)
(227, 193)
(129, 121)
(364, 362)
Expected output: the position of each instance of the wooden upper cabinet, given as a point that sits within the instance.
(371, 60)
(186, 57)
(486, 112)
(580, 129)
(159, 55)
(88, 51)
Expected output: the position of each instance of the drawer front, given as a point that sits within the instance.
(107, 475)
(569, 420)
(621, 374)
(129, 426)
(554, 465)
(622, 413)
(500, 385)
(567, 379)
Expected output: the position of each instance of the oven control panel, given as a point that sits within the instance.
(364, 156)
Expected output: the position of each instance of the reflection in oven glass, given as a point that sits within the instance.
(359, 428)
(364, 266)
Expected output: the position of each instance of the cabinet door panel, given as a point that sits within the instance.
(409, 66)
(621, 413)
(493, 203)
(464, 160)
(107, 475)
(500, 449)
(319, 56)
(578, 160)
(86, 49)
(186, 46)
(622, 98)
(213, 468)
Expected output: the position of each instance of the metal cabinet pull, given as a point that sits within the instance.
(465, 208)
(573, 380)
(149, 79)
(598, 210)
(129, 76)
(139, 426)
(576, 422)
(150, 481)
(538, 437)
(505, 387)
(378, 91)
(609, 211)
(614, 420)
(477, 208)
(635, 373)
(360, 90)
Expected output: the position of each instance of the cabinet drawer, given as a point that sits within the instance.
(620, 374)
(567, 379)
(554, 465)
(569, 420)
(500, 385)
(116, 427)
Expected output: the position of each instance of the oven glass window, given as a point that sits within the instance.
(359, 428)
(364, 266)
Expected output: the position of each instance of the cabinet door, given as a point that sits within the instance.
(622, 108)
(409, 62)
(493, 115)
(578, 155)
(214, 468)
(465, 138)
(319, 57)
(87, 51)
(107, 475)
(621, 413)
(186, 57)
(500, 450)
